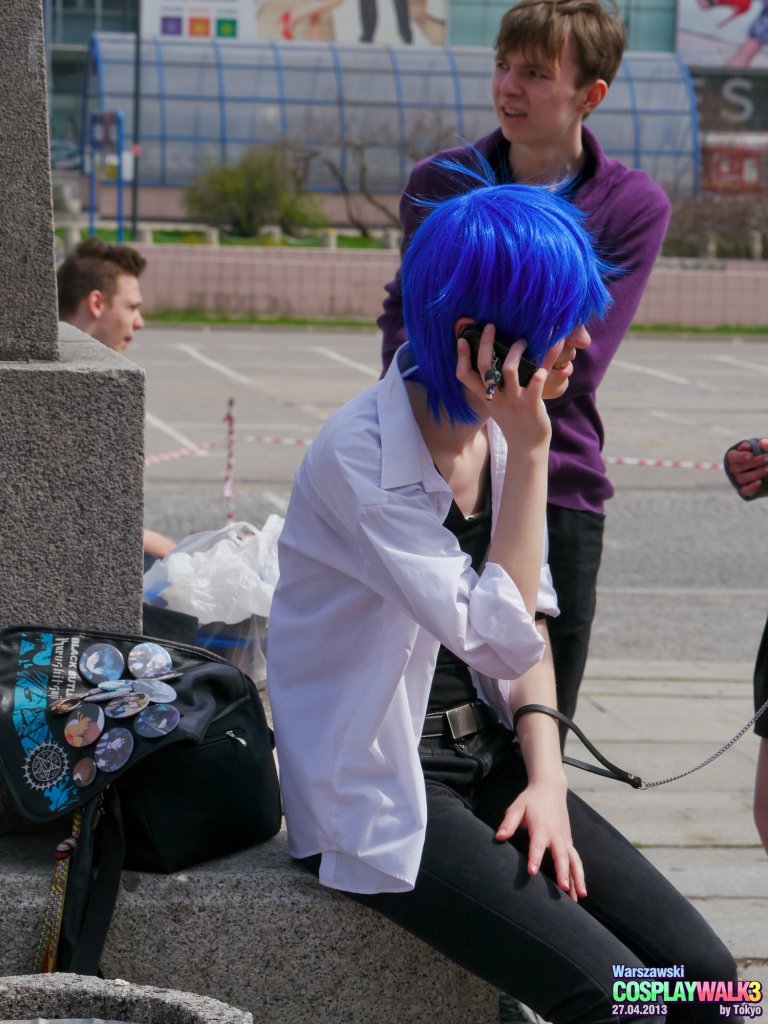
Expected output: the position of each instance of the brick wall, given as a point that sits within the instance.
(350, 283)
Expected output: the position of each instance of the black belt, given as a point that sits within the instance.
(457, 723)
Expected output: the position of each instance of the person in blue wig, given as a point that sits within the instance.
(408, 626)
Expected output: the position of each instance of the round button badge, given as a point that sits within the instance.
(100, 696)
(156, 721)
(126, 706)
(84, 772)
(116, 685)
(100, 663)
(84, 725)
(67, 704)
(113, 749)
(158, 692)
(147, 660)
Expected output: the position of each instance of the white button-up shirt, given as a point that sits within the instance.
(371, 583)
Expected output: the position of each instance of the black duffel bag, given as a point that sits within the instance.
(189, 776)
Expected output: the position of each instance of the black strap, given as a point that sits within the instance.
(92, 886)
(610, 771)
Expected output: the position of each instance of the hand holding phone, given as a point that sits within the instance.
(525, 370)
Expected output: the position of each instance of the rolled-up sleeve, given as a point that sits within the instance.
(416, 563)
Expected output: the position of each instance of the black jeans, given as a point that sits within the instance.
(575, 549)
(475, 902)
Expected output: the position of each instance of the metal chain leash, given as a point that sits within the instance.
(712, 757)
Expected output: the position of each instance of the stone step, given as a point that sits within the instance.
(256, 931)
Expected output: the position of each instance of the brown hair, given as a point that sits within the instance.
(94, 265)
(543, 26)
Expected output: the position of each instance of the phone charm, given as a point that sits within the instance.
(492, 378)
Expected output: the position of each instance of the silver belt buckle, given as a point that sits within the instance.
(462, 721)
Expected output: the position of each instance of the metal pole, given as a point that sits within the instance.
(120, 180)
(136, 128)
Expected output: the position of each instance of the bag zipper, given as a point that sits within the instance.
(199, 652)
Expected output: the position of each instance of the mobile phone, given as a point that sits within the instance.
(527, 367)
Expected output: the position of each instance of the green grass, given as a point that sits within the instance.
(694, 329)
(357, 242)
(174, 237)
(178, 237)
(198, 316)
(107, 234)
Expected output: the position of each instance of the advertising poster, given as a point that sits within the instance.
(222, 20)
(404, 22)
(723, 33)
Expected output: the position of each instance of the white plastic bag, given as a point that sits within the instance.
(226, 579)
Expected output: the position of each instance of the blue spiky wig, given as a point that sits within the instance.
(513, 255)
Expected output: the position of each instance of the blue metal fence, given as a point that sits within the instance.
(370, 110)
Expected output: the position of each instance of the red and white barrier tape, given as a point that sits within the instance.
(179, 453)
(611, 460)
(614, 460)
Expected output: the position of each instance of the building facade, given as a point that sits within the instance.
(71, 23)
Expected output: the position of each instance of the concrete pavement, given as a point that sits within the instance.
(657, 719)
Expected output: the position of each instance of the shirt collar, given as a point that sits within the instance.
(405, 458)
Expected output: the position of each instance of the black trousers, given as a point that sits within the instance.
(575, 549)
(475, 902)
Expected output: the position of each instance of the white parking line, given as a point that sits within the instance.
(321, 414)
(330, 354)
(673, 417)
(166, 428)
(725, 431)
(218, 367)
(742, 363)
(662, 375)
(276, 500)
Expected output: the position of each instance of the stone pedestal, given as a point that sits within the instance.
(71, 428)
(71, 495)
(27, 284)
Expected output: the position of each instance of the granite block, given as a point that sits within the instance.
(257, 931)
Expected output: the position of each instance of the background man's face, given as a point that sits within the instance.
(537, 103)
(121, 315)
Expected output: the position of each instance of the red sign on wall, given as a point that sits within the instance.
(731, 169)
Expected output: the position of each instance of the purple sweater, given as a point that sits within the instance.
(627, 215)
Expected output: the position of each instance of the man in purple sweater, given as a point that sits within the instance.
(554, 62)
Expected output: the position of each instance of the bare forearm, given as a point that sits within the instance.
(538, 733)
(519, 536)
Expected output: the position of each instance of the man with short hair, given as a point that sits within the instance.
(99, 291)
(555, 60)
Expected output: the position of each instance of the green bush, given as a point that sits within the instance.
(264, 187)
